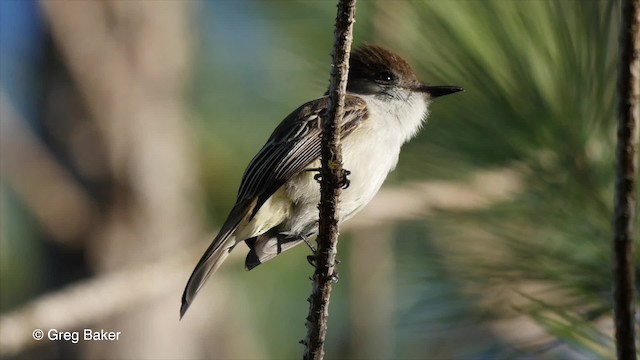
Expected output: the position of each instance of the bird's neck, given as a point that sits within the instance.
(403, 115)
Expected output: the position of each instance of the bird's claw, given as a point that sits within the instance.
(344, 182)
(312, 260)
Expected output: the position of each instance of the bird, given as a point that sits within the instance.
(277, 202)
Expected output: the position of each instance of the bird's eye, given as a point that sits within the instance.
(385, 77)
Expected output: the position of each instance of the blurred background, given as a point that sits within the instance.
(126, 126)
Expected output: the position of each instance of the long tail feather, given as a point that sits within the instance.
(208, 264)
(214, 256)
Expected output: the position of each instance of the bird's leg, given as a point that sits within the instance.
(334, 277)
(306, 241)
(310, 258)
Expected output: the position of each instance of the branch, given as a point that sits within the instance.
(332, 176)
(625, 192)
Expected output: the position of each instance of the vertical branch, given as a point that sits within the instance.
(625, 192)
(332, 176)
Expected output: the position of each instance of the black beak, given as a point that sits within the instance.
(437, 91)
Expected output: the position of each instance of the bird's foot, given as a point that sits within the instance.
(311, 259)
(343, 181)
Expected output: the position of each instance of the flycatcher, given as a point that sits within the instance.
(277, 204)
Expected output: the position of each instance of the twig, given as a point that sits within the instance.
(626, 167)
(332, 175)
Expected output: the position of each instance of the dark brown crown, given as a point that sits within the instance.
(372, 58)
(375, 70)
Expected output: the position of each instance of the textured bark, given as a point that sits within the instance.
(332, 176)
(626, 173)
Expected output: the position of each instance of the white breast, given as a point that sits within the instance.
(372, 150)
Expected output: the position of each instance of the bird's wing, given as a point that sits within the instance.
(294, 144)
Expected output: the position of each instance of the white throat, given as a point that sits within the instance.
(403, 114)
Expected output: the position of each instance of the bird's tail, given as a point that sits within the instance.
(208, 264)
(215, 255)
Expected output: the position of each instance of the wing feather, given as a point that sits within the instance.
(293, 145)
